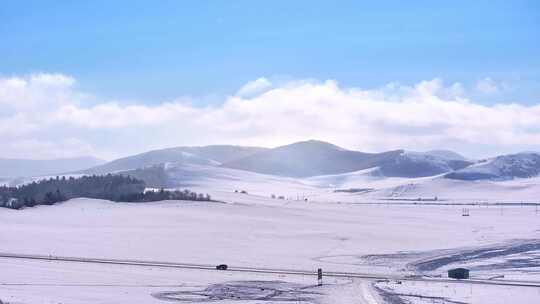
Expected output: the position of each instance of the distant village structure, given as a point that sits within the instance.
(458, 273)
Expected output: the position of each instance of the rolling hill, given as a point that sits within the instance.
(309, 158)
(301, 159)
(207, 155)
(416, 164)
(504, 167)
(312, 158)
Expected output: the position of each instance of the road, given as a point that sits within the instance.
(369, 276)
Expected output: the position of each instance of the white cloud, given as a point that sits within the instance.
(424, 116)
(36, 92)
(51, 80)
(254, 87)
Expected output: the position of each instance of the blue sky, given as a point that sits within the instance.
(151, 51)
(114, 78)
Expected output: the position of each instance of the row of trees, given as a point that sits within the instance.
(162, 195)
(109, 187)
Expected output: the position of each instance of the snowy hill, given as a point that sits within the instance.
(314, 158)
(208, 155)
(211, 178)
(463, 191)
(301, 159)
(223, 153)
(309, 158)
(358, 186)
(446, 154)
(505, 167)
(27, 167)
(416, 164)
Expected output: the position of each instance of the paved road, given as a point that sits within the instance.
(369, 276)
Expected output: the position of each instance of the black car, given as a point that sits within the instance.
(221, 267)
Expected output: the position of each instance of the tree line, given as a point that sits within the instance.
(111, 187)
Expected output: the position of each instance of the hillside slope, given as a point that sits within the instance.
(415, 164)
(504, 167)
(309, 158)
(208, 155)
(314, 158)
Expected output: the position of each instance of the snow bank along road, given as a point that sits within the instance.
(266, 270)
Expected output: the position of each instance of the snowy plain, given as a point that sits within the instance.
(248, 230)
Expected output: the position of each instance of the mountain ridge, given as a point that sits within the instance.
(309, 158)
(502, 167)
(300, 159)
(208, 155)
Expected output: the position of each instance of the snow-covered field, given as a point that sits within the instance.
(429, 292)
(53, 282)
(360, 187)
(257, 231)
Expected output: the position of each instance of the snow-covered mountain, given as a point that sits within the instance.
(313, 158)
(418, 164)
(28, 167)
(301, 159)
(505, 167)
(207, 155)
(309, 158)
(446, 154)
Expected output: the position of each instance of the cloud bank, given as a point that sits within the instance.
(254, 87)
(46, 116)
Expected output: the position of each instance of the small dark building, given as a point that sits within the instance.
(458, 273)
